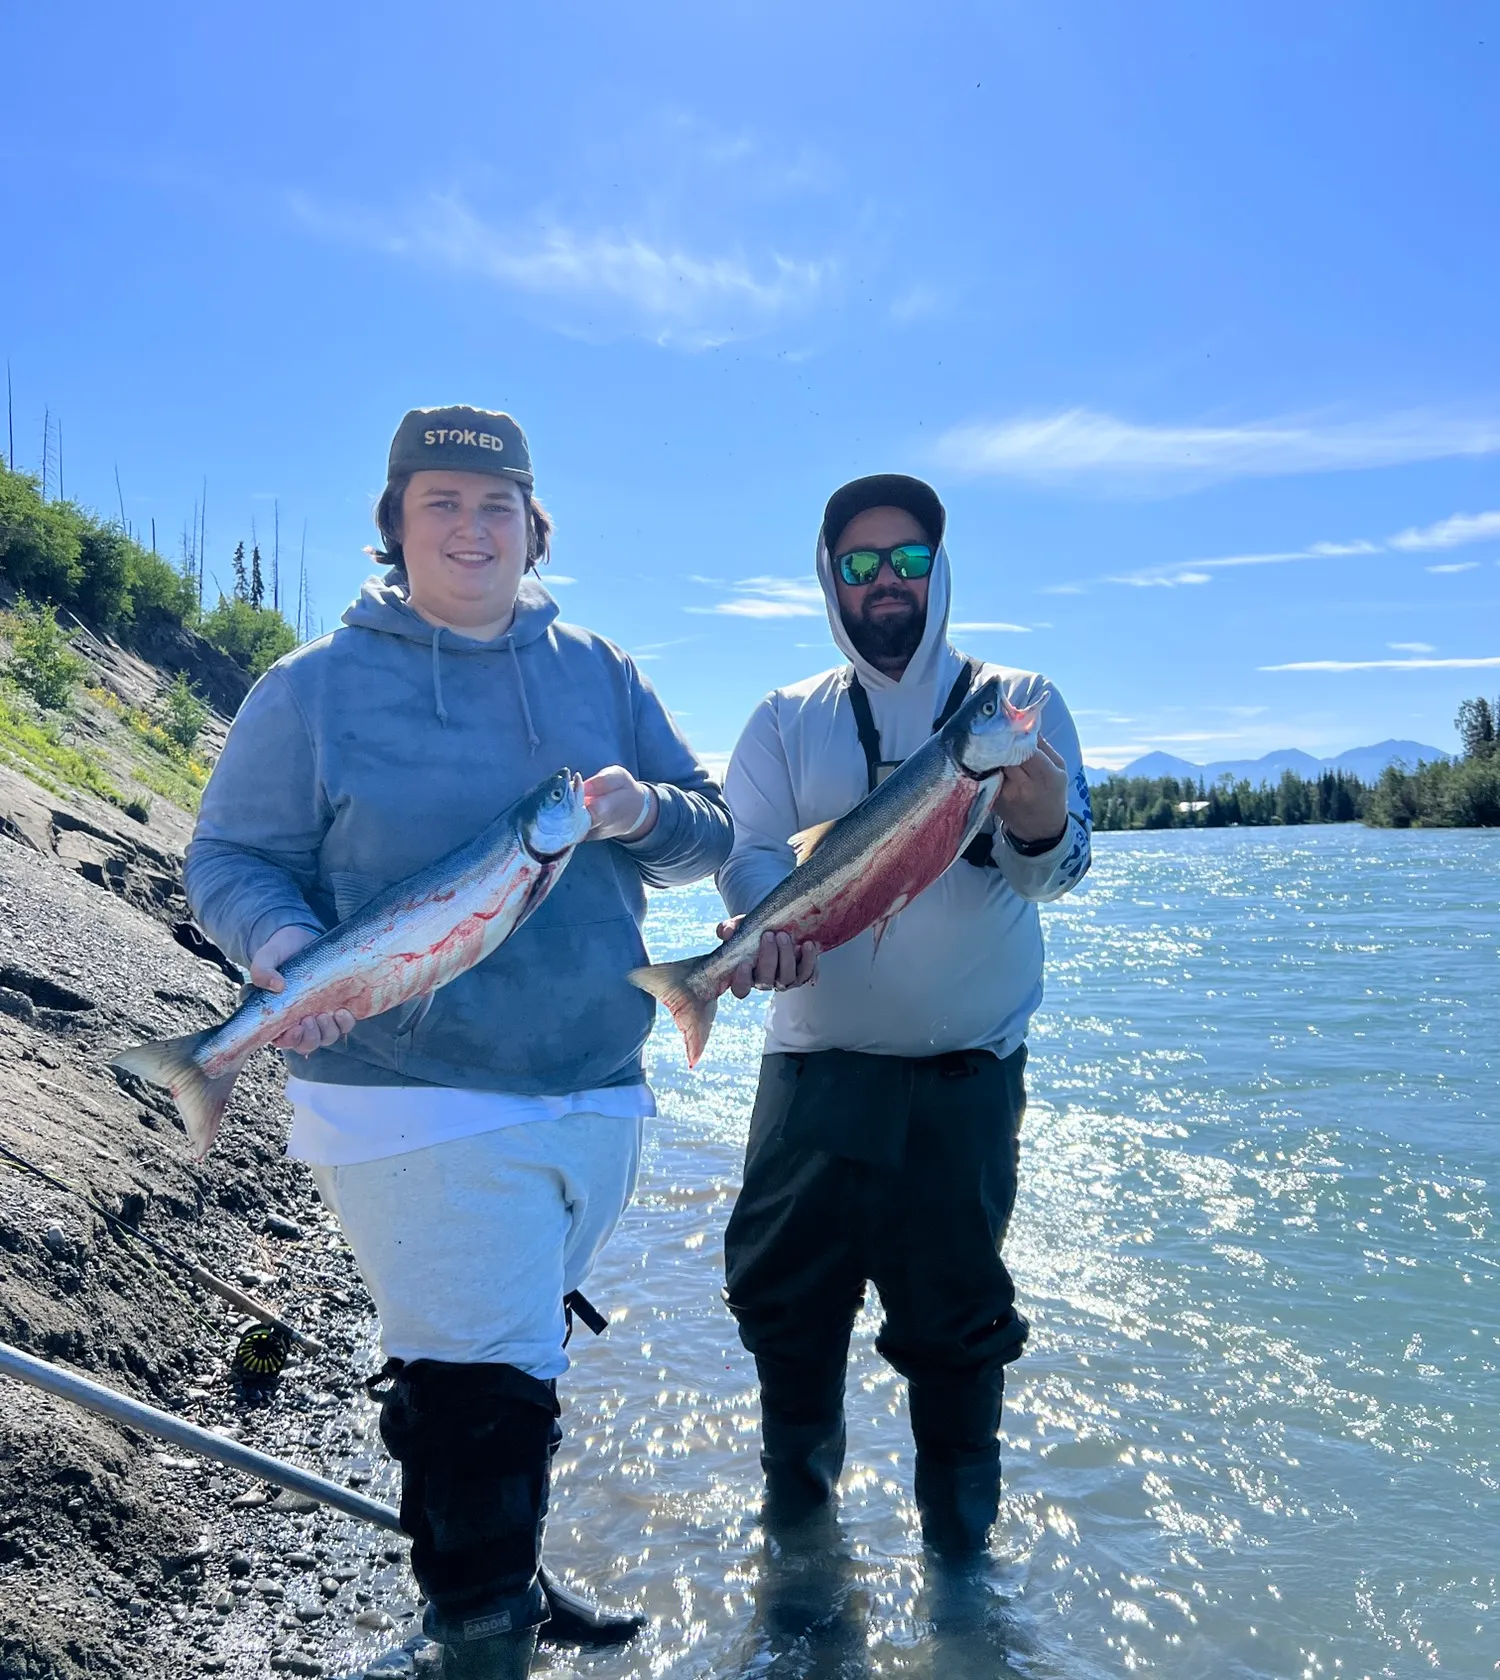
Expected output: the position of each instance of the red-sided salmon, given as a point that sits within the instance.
(860, 871)
(406, 942)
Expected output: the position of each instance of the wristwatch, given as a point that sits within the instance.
(1033, 848)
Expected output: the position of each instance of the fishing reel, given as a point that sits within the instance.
(261, 1354)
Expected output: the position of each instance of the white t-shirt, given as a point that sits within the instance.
(340, 1125)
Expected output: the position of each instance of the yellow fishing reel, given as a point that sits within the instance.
(261, 1353)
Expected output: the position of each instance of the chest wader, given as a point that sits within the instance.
(475, 1443)
(900, 1172)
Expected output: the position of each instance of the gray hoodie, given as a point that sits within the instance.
(961, 967)
(368, 754)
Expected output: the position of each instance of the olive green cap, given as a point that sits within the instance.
(460, 439)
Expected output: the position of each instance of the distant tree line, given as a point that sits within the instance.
(1462, 793)
(1124, 802)
(58, 553)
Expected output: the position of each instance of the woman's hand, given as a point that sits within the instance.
(779, 965)
(312, 1032)
(622, 808)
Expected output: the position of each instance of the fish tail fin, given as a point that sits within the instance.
(671, 983)
(200, 1099)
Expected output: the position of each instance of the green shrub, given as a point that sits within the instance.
(104, 553)
(156, 590)
(180, 714)
(42, 664)
(138, 808)
(254, 636)
(39, 547)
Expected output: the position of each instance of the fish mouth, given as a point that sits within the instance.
(580, 816)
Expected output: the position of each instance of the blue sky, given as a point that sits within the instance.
(1189, 311)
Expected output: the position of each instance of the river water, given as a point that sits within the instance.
(1254, 1432)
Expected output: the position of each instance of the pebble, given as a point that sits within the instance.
(294, 1662)
(267, 1588)
(240, 1564)
(224, 1602)
(328, 1586)
(301, 1560)
(310, 1613)
(391, 1666)
(248, 1501)
(376, 1621)
(287, 1229)
(56, 1241)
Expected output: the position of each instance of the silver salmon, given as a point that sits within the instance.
(402, 946)
(861, 870)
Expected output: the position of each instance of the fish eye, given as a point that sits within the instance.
(988, 708)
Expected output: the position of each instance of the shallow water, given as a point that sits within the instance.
(1253, 1434)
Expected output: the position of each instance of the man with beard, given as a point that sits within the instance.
(884, 1141)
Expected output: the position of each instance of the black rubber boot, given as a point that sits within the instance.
(955, 1421)
(577, 1622)
(473, 1442)
(802, 1436)
(507, 1657)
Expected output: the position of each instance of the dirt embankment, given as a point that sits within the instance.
(120, 1556)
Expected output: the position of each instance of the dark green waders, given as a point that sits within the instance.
(901, 1173)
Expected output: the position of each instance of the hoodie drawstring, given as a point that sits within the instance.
(437, 679)
(533, 740)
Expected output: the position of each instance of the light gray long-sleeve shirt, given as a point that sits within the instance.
(960, 968)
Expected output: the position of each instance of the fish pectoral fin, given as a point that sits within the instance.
(878, 929)
(807, 840)
(414, 1013)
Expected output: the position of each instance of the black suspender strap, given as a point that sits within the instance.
(959, 692)
(864, 720)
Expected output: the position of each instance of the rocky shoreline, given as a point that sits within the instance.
(118, 1553)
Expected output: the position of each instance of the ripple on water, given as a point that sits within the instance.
(1253, 1434)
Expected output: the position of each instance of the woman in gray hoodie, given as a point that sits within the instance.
(478, 1152)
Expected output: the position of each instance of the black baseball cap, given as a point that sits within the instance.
(463, 440)
(884, 490)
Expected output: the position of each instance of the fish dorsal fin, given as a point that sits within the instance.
(808, 841)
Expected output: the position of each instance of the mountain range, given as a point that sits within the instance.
(1365, 763)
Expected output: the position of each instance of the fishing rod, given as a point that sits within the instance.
(199, 1274)
(108, 1402)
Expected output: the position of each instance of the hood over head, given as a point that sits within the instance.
(921, 501)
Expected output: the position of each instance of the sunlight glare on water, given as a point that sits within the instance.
(1253, 1434)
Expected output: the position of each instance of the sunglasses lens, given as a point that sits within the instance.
(913, 561)
(860, 566)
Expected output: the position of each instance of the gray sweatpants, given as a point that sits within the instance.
(468, 1247)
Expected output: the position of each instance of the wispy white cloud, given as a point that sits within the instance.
(767, 597)
(979, 626)
(1062, 589)
(557, 579)
(1200, 571)
(1122, 455)
(1411, 647)
(655, 287)
(1453, 532)
(1454, 566)
(1388, 665)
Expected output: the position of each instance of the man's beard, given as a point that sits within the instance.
(888, 637)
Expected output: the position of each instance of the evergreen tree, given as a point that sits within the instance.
(1476, 727)
(241, 583)
(257, 582)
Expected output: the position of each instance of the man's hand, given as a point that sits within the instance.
(780, 964)
(312, 1032)
(1033, 799)
(621, 807)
